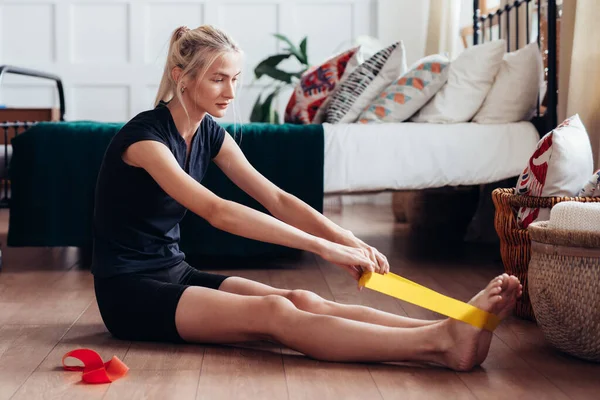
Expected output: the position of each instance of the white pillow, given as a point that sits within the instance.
(365, 83)
(470, 78)
(405, 96)
(513, 96)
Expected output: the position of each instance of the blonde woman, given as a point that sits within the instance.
(151, 175)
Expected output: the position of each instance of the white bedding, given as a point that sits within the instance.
(407, 155)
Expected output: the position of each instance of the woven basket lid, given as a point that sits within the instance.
(541, 232)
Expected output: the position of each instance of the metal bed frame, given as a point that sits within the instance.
(543, 122)
(17, 127)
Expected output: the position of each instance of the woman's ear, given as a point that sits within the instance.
(176, 74)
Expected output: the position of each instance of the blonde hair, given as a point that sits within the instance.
(194, 51)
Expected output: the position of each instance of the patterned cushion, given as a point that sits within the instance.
(592, 187)
(316, 85)
(560, 166)
(367, 81)
(470, 78)
(412, 91)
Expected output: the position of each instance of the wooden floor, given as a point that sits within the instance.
(47, 307)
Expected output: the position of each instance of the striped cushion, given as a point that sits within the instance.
(365, 83)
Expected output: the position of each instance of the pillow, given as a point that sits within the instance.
(316, 84)
(407, 95)
(560, 166)
(513, 96)
(470, 77)
(365, 83)
(355, 61)
(592, 187)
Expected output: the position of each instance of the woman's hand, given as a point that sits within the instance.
(382, 265)
(355, 261)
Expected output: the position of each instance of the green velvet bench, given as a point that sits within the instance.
(54, 168)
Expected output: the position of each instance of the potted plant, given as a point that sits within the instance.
(263, 110)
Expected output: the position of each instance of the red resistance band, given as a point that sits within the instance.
(94, 370)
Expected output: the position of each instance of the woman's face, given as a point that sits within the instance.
(215, 91)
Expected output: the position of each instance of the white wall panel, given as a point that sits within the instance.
(333, 22)
(99, 33)
(34, 96)
(256, 42)
(161, 19)
(100, 103)
(27, 31)
(110, 53)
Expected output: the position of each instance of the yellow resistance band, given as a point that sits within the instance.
(403, 289)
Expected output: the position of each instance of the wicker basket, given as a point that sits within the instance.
(564, 287)
(515, 245)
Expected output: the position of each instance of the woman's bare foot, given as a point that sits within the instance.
(468, 345)
(511, 289)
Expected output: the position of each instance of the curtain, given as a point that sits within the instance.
(579, 76)
(443, 28)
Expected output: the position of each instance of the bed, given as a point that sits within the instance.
(360, 160)
(49, 210)
(415, 159)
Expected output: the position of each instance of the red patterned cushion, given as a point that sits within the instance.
(532, 180)
(314, 88)
(560, 166)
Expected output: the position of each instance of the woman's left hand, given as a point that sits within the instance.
(381, 262)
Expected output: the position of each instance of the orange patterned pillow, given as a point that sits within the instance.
(316, 85)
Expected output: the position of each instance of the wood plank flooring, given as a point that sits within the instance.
(47, 307)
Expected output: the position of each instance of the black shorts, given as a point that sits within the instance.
(141, 306)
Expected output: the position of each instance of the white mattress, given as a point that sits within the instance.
(407, 155)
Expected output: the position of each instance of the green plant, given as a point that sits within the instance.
(263, 111)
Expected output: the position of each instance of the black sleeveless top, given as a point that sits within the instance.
(136, 224)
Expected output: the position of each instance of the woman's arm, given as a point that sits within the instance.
(229, 216)
(280, 204)
(285, 206)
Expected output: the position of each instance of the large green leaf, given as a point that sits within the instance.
(270, 62)
(256, 115)
(267, 106)
(303, 50)
(275, 119)
(292, 48)
(277, 74)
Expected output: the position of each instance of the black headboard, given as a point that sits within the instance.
(510, 13)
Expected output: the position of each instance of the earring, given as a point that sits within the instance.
(182, 89)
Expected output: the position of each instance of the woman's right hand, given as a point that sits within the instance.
(355, 261)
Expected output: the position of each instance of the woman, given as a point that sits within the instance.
(146, 291)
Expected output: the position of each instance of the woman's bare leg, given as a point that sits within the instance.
(311, 302)
(206, 315)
